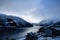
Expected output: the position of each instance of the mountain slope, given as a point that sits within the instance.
(9, 21)
(49, 22)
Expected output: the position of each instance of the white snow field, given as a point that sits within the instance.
(45, 38)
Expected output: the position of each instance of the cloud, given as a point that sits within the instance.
(20, 8)
(32, 9)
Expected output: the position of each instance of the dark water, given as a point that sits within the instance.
(18, 32)
(25, 31)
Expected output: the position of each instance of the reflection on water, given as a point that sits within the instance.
(32, 29)
(26, 30)
(19, 32)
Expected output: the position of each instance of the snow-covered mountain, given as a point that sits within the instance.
(9, 21)
(49, 22)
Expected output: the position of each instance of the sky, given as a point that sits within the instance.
(31, 10)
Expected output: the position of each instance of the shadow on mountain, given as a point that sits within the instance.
(10, 25)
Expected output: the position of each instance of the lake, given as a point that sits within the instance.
(18, 32)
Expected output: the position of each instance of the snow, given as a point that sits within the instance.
(50, 21)
(45, 38)
(49, 38)
(19, 21)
